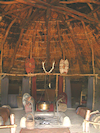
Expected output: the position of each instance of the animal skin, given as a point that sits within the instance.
(4, 115)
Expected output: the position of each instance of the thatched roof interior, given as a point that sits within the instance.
(49, 30)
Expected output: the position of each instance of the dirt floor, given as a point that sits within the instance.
(76, 121)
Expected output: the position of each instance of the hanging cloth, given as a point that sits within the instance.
(60, 85)
(34, 95)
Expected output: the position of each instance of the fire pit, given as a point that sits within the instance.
(48, 120)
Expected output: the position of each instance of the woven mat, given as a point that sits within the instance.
(45, 130)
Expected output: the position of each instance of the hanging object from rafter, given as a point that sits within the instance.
(50, 69)
(30, 65)
(63, 66)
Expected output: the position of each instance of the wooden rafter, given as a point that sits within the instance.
(91, 46)
(7, 7)
(16, 10)
(34, 17)
(93, 11)
(76, 48)
(36, 74)
(33, 42)
(69, 11)
(48, 38)
(75, 12)
(6, 34)
(79, 1)
(8, 2)
(29, 19)
(63, 2)
(29, 13)
(31, 4)
(37, 13)
(61, 45)
(15, 51)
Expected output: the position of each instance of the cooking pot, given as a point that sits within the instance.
(44, 106)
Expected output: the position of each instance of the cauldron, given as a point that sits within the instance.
(43, 106)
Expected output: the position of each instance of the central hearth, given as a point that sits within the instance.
(49, 119)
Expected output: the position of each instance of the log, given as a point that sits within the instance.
(8, 2)
(91, 122)
(8, 126)
(39, 74)
(79, 1)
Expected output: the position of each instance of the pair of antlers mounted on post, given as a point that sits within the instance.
(43, 62)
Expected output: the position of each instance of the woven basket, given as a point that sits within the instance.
(30, 122)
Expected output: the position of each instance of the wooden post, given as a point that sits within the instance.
(93, 77)
(56, 85)
(0, 72)
(93, 93)
(63, 83)
(86, 124)
(12, 122)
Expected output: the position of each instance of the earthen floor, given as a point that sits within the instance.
(76, 121)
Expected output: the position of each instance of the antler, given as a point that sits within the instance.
(43, 62)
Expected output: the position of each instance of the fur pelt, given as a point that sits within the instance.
(4, 115)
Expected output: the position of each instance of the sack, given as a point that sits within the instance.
(23, 122)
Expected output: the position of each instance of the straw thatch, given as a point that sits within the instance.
(49, 30)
